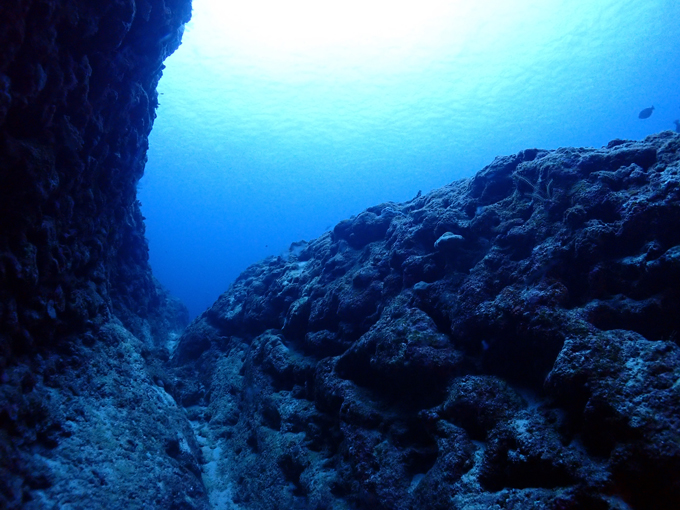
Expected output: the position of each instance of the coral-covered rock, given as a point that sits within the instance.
(509, 340)
(77, 102)
(85, 420)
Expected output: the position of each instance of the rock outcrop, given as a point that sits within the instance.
(77, 102)
(507, 341)
(84, 327)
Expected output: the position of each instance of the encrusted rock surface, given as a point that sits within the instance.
(84, 327)
(93, 427)
(507, 341)
(77, 102)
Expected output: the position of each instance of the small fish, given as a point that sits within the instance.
(677, 126)
(646, 113)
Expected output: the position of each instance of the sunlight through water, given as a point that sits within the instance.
(279, 119)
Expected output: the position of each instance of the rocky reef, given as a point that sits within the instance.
(77, 102)
(507, 341)
(84, 327)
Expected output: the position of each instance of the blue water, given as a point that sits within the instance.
(276, 123)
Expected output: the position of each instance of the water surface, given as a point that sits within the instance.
(278, 120)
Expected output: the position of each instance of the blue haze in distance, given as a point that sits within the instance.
(279, 119)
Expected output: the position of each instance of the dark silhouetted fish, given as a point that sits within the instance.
(677, 126)
(646, 113)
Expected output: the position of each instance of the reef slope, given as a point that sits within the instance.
(506, 341)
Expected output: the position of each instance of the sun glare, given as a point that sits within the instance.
(303, 25)
(351, 32)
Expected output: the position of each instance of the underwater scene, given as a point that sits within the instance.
(357, 255)
(278, 120)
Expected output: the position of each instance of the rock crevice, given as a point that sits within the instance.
(509, 340)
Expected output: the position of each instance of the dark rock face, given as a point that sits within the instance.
(506, 341)
(77, 102)
(84, 327)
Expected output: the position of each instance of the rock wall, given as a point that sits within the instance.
(77, 102)
(84, 327)
(507, 341)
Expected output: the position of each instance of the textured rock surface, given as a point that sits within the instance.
(84, 327)
(94, 428)
(77, 102)
(508, 341)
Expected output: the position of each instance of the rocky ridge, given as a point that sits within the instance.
(506, 341)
